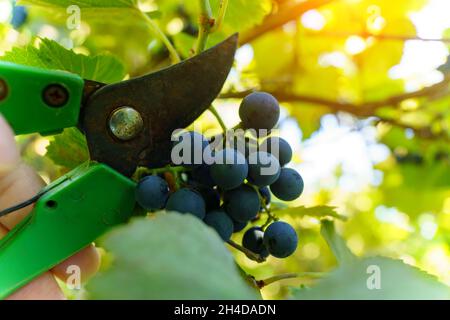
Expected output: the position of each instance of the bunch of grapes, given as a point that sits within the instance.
(229, 187)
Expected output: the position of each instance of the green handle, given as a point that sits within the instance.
(39, 100)
(78, 208)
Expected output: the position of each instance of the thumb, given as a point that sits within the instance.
(9, 153)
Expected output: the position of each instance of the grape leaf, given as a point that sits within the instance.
(50, 55)
(318, 212)
(357, 280)
(68, 149)
(171, 256)
(375, 278)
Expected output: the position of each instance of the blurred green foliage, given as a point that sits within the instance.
(323, 60)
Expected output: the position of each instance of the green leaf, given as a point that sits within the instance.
(170, 256)
(68, 149)
(50, 55)
(240, 15)
(318, 212)
(82, 3)
(243, 14)
(336, 243)
(358, 280)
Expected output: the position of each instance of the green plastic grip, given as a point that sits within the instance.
(77, 209)
(38, 100)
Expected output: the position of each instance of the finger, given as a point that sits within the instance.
(88, 260)
(44, 287)
(18, 182)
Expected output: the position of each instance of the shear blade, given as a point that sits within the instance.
(167, 100)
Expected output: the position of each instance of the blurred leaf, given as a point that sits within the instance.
(50, 55)
(336, 243)
(68, 149)
(82, 3)
(356, 280)
(243, 14)
(171, 256)
(318, 212)
(184, 44)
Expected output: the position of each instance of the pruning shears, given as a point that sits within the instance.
(127, 125)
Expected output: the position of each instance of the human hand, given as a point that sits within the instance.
(18, 182)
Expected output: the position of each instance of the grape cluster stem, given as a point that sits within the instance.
(250, 254)
(310, 275)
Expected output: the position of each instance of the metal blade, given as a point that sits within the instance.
(162, 102)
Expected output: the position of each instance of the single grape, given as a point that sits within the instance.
(263, 169)
(187, 201)
(19, 16)
(152, 193)
(211, 197)
(278, 147)
(242, 204)
(238, 226)
(259, 110)
(244, 145)
(229, 170)
(280, 239)
(289, 185)
(202, 174)
(253, 240)
(220, 222)
(190, 149)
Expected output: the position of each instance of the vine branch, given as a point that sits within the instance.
(376, 36)
(438, 90)
(365, 109)
(286, 12)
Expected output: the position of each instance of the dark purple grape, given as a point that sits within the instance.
(280, 239)
(264, 169)
(220, 222)
(253, 240)
(259, 110)
(187, 201)
(242, 204)
(191, 149)
(230, 169)
(279, 148)
(152, 193)
(289, 185)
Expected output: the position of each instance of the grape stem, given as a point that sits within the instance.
(141, 171)
(162, 37)
(312, 275)
(216, 114)
(221, 16)
(207, 25)
(250, 254)
(270, 217)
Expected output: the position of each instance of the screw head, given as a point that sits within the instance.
(55, 95)
(126, 123)
(3, 89)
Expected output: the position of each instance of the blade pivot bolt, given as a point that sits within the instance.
(126, 123)
(55, 95)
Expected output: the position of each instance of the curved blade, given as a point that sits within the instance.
(167, 100)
